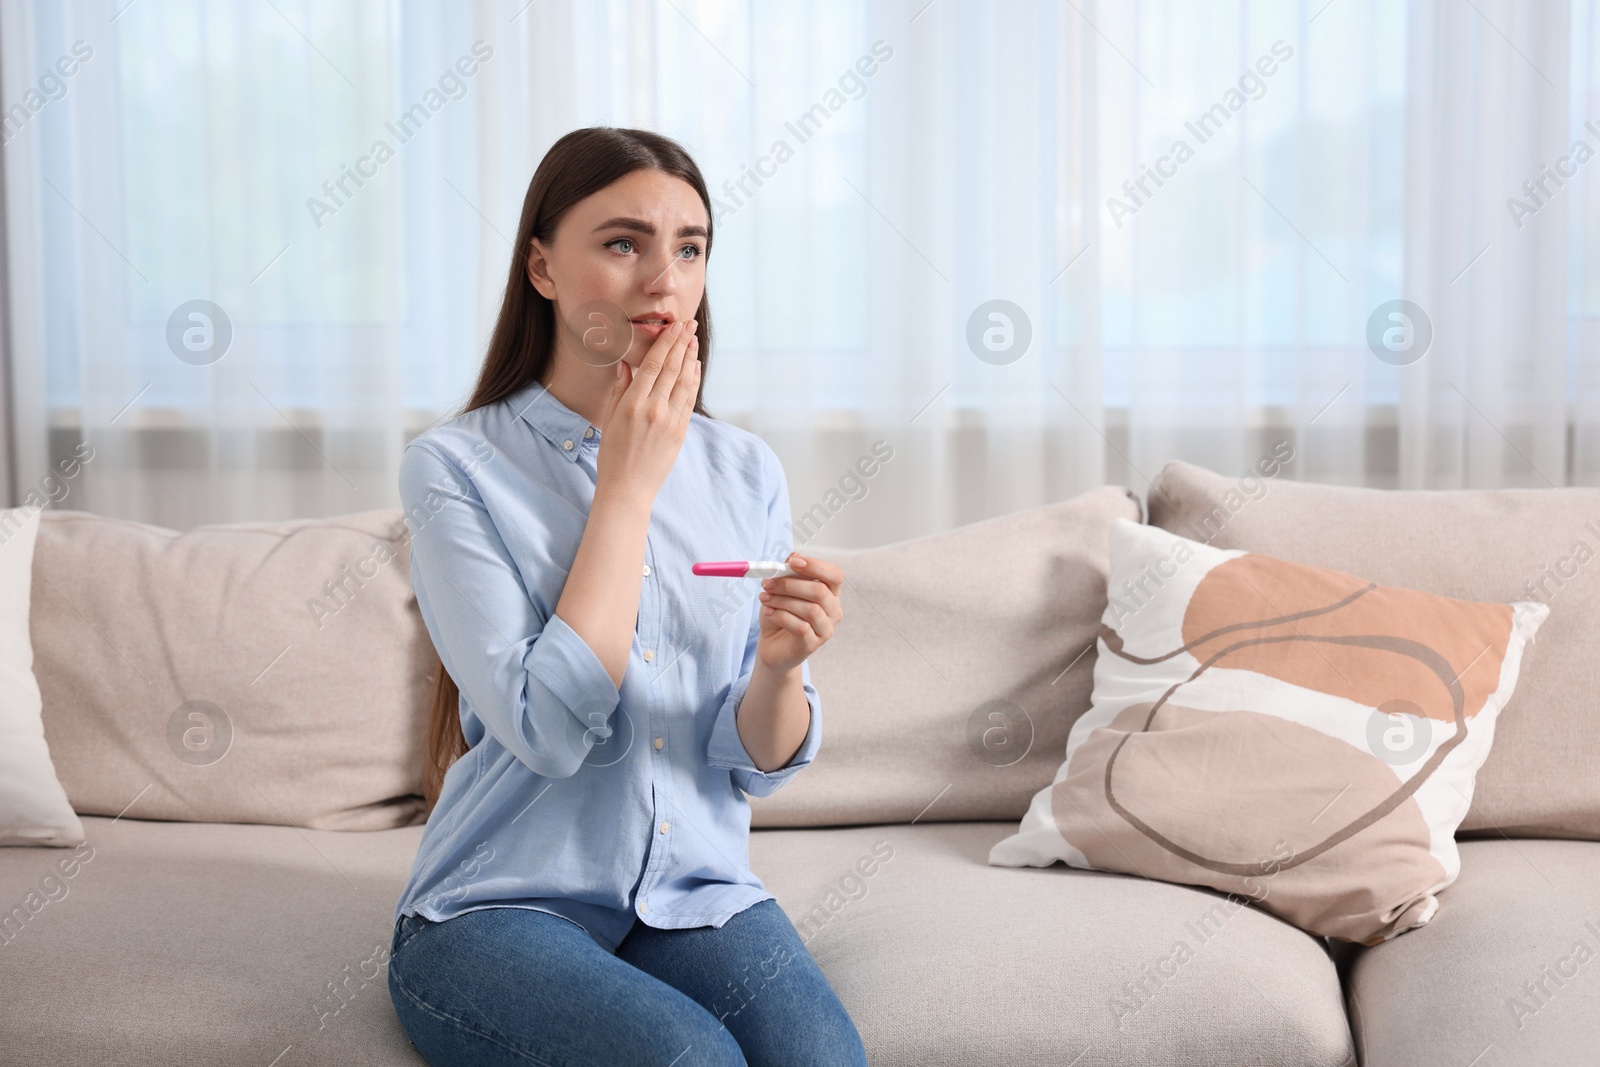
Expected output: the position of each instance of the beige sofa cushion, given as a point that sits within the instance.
(282, 934)
(260, 672)
(945, 961)
(1508, 972)
(1506, 545)
(961, 664)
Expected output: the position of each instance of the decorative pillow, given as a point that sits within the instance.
(33, 806)
(1477, 544)
(1289, 735)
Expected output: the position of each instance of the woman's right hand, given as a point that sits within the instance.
(647, 416)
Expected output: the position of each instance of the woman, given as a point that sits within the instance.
(582, 892)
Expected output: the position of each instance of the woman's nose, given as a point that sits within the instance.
(663, 276)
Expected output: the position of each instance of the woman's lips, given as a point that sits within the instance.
(652, 329)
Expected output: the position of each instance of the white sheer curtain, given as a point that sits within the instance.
(198, 154)
(1503, 99)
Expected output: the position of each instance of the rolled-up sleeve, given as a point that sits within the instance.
(726, 749)
(533, 682)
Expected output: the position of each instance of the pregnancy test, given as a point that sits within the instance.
(744, 568)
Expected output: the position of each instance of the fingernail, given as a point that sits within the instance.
(797, 562)
(766, 611)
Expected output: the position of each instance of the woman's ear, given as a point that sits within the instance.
(538, 275)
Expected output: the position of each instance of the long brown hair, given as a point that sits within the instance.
(523, 344)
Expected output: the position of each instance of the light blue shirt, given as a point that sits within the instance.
(596, 804)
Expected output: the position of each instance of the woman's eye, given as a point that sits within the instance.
(619, 240)
(692, 248)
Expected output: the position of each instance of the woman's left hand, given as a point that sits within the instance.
(798, 612)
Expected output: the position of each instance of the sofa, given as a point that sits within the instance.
(236, 714)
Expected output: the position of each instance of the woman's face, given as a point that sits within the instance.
(632, 252)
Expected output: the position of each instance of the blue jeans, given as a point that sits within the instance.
(516, 986)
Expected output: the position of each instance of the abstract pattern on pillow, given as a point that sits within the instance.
(1290, 735)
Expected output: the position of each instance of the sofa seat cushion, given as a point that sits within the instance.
(196, 944)
(1507, 973)
(190, 944)
(941, 958)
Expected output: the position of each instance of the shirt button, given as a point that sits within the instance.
(649, 654)
(589, 432)
(567, 444)
(664, 826)
(643, 906)
(659, 743)
(647, 570)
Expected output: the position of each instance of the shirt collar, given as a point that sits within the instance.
(563, 427)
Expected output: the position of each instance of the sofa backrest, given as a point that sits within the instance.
(251, 672)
